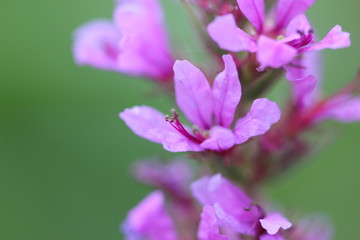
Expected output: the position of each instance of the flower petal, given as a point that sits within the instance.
(262, 115)
(220, 139)
(299, 24)
(96, 44)
(145, 122)
(226, 92)
(303, 89)
(275, 54)
(144, 48)
(233, 207)
(228, 36)
(286, 10)
(193, 94)
(254, 11)
(344, 108)
(335, 39)
(273, 222)
(150, 124)
(208, 227)
(140, 223)
(271, 237)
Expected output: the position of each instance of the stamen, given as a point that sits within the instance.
(177, 125)
(304, 40)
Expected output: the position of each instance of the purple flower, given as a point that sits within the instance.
(149, 220)
(135, 43)
(171, 177)
(210, 110)
(275, 46)
(226, 206)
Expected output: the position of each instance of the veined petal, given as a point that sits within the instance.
(262, 115)
(228, 36)
(286, 10)
(275, 54)
(220, 139)
(208, 227)
(254, 11)
(226, 92)
(193, 94)
(335, 39)
(97, 44)
(273, 222)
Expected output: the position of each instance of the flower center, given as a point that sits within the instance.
(174, 121)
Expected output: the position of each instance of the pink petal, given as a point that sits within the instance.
(287, 9)
(254, 11)
(228, 36)
(220, 139)
(304, 65)
(308, 63)
(208, 227)
(174, 176)
(140, 220)
(175, 142)
(193, 94)
(335, 39)
(303, 89)
(227, 93)
(271, 237)
(233, 207)
(262, 115)
(344, 109)
(273, 222)
(144, 48)
(96, 44)
(275, 54)
(145, 122)
(150, 124)
(299, 23)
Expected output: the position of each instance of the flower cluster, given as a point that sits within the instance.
(239, 137)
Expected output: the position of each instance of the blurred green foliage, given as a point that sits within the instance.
(65, 155)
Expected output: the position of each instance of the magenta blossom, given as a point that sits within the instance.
(230, 210)
(135, 43)
(275, 46)
(171, 177)
(149, 220)
(210, 110)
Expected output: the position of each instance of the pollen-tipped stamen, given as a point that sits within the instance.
(176, 124)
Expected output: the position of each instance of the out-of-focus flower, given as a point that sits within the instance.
(342, 107)
(225, 205)
(314, 228)
(135, 43)
(172, 177)
(275, 46)
(149, 220)
(210, 110)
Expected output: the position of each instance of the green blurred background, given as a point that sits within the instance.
(65, 155)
